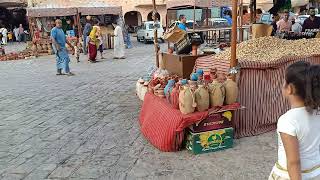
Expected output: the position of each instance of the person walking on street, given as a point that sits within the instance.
(93, 44)
(4, 33)
(16, 33)
(99, 38)
(22, 35)
(127, 37)
(59, 41)
(10, 36)
(118, 41)
(86, 31)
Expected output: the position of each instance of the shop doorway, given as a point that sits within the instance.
(149, 18)
(133, 19)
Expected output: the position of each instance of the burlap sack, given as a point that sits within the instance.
(202, 98)
(187, 103)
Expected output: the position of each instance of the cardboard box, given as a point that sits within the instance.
(182, 65)
(214, 121)
(209, 141)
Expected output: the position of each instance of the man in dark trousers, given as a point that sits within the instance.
(86, 31)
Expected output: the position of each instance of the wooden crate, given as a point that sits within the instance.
(182, 65)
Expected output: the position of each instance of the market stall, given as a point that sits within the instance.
(41, 21)
(261, 77)
(181, 62)
(106, 14)
(192, 110)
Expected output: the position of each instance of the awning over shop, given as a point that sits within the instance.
(71, 7)
(177, 4)
(97, 8)
(54, 11)
(261, 4)
(13, 3)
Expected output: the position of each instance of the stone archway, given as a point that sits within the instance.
(133, 19)
(149, 18)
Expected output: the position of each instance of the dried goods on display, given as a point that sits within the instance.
(217, 93)
(169, 87)
(198, 94)
(202, 98)
(139, 86)
(174, 96)
(144, 90)
(231, 88)
(187, 102)
(268, 49)
(17, 56)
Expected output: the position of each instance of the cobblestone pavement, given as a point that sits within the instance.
(86, 127)
(14, 47)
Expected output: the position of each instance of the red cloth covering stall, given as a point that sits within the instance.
(164, 126)
(260, 86)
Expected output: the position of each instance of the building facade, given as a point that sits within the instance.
(133, 11)
(137, 11)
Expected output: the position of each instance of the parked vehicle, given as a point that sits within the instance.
(145, 32)
(302, 18)
(217, 22)
(266, 18)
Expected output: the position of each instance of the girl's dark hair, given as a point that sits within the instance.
(306, 80)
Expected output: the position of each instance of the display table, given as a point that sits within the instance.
(182, 65)
(164, 126)
(260, 86)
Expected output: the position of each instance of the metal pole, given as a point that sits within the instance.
(234, 61)
(241, 21)
(156, 45)
(194, 16)
(207, 17)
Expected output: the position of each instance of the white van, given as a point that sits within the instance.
(145, 32)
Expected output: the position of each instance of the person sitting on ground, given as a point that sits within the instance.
(298, 129)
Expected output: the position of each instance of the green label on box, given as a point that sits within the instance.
(210, 141)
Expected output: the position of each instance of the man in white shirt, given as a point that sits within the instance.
(296, 26)
(4, 33)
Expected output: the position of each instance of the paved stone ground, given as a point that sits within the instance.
(14, 47)
(86, 127)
